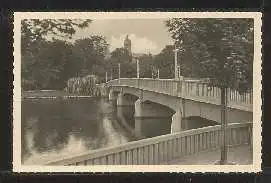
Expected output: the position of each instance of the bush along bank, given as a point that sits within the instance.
(86, 85)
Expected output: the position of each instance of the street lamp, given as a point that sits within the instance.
(137, 68)
(106, 77)
(119, 73)
(179, 71)
(176, 62)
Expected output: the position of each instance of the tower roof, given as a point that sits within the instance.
(127, 39)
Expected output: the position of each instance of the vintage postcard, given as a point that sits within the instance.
(137, 92)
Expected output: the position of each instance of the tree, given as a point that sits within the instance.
(46, 65)
(90, 52)
(122, 56)
(39, 69)
(146, 65)
(223, 48)
(224, 51)
(36, 29)
(164, 61)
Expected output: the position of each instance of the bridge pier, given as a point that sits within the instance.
(176, 124)
(151, 119)
(112, 95)
(124, 100)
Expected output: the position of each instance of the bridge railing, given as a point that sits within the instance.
(165, 148)
(191, 89)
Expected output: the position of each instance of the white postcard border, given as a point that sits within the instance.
(257, 101)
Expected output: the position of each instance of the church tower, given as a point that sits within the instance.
(127, 44)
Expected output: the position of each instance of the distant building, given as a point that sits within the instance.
(127, 44)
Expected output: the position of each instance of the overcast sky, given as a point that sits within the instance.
(147, 35)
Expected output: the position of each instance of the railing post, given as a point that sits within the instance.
(175, 62)
(250, 97)
(197, 89)
(224, 125)
(179, 88)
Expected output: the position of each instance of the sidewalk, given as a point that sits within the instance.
(240, 155)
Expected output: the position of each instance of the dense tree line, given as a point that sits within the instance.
(216, 48)
(221, 49)
(49, 63)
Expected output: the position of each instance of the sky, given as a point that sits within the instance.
(147, 35)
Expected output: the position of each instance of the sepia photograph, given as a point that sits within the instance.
(137, 91)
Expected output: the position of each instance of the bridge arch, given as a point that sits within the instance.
(184, 102)
(152, 119)
(150, 106)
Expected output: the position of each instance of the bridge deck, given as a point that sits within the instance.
(189, 89)
(241, 155)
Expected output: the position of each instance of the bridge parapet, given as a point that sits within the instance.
(189, 89)
(165, 148)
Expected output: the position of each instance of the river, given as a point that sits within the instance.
(58, 128)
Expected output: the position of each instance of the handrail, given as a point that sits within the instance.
(189, 89)
(201, 134)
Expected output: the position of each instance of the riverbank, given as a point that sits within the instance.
(39, 94)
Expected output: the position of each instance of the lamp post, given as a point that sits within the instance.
(179, 71)
(119, 73)
(137, 68)
(176, 62)
(224, 126)
(106, 79)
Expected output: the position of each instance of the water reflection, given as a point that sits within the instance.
(57, 128)
(53, 129)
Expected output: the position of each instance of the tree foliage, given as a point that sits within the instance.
(89, 52)
(121, 55)
(217, 48)
(46, 64)
(35, 29)
(146, 65)
(50, 63)
(164, 61)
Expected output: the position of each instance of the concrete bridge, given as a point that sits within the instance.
(174, 99)
(177, 99)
